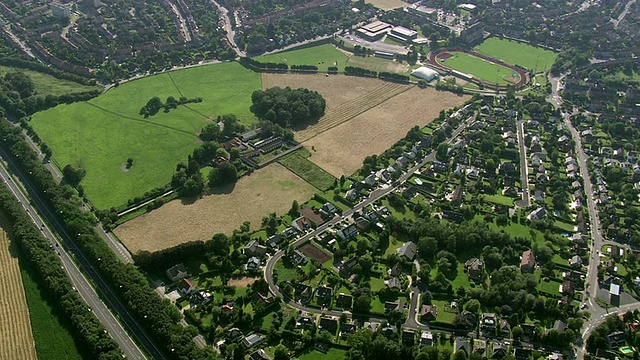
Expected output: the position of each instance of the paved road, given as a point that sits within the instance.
(82, 285)
(373, 197)
(87, 267)
(524, 170)
(598, 314)
(231, 34)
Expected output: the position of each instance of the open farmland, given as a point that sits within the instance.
(271, 189)
(16, 341)
(298, 163)
(341, 149)
(102, 133)
(46, 84)
(516, 53)
(479, 68)
(386, 4)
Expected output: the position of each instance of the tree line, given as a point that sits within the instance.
(155, 104)
(157, 316)
(52, 277)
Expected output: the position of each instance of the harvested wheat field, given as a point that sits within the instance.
(336, 89)
(271, 189)
(16, 341)
(341, 149)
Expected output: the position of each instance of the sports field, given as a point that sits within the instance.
(16, 341)
(102, 133)
(516, 53)
(321, 56)
(48, 85)
(480, 68)
(270, 189)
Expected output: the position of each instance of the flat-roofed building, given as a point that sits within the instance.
(373, 31)
(403, 34)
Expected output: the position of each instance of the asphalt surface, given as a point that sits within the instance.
(81, 284)
(524, 170)
(373, 197)
(136, 331)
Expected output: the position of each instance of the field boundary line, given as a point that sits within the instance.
(174, 83)
(125, 117)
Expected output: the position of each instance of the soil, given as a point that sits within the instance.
(242, 282)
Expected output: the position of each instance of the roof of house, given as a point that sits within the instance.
(528, 259)
(252, 340)
(312, 216)
(176, 270)
(408, 250)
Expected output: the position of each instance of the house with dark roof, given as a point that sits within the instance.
(397, 305)
(345, 301)
(259, 354)
(302, 292)
(362, 223)
(186, 286)
(254, 248)
(328, 324)
(408, 250)
(347, 266)
(372, 326)
(389, 331)
(177, 272)
(328, 209)
(474, 267)
(324, 295)
(480, 347)
(461, 344)
(499, 350)
(346, 330)
(253, 264)
(408, 337)
(304, 322)
(252, 340)
(274, 241)
(348, 232)
(488, 323)
(393, 283)
(428, 313)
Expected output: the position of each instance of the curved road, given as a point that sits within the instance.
(373, 196)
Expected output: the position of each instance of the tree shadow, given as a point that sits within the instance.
(223, 189)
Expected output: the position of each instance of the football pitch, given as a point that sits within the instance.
(512, 52)
(480, 68)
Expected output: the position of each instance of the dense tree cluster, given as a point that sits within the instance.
(287, 107)
(155, 104)
(52, 277)
(158, 317)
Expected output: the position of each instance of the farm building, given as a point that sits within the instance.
(425, 73)
(373, 31)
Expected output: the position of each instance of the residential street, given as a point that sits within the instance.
(598, 314)
(374, 196)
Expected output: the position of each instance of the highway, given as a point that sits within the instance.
(598, 314)
(82, 285)
(82, 263)
(373, 197)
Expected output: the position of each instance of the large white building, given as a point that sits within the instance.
(425, 73)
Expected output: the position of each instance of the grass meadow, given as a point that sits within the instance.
(102, 133)
(478, 67)
(516, 53)
(321, 56)
(298, 163)
(51, 331)
(48, 85)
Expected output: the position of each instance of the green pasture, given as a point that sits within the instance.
(102, 133)
(516, 53)
(49, 325)
(478, 67)
(48, 85)
(298, 163)
(321, 56)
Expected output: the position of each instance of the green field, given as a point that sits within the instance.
(321, 56)
(102, 133)
(516, 53)
(48, 85)
(479, 68)
(298, 163)
(49, 327)
(333, 354)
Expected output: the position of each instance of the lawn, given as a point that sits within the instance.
(298, 163)
(48, 85)
(443, 315)
(102, 133)
(286, 272)
(333, 353)
(478, 67)
(499, 199)
(516, 53)
(550, 287)
(50, 328)
(321, 56)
